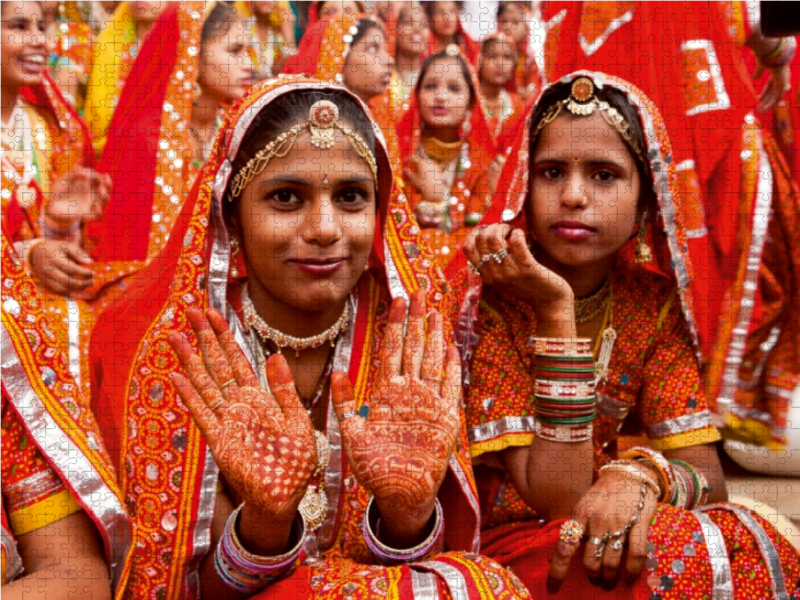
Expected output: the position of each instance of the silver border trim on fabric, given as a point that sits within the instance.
(761, 217)
(493, 429)
(718, 558)
(768, 551)
(396, 289)
(682, 424)
(423, 585)
(74, 337)
(589, 49)
(456, 583)
(83, 479)
(715, 72)
(473, 500)
(14, 566)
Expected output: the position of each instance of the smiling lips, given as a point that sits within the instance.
(320, 266)
(32, 63)
(572, 230)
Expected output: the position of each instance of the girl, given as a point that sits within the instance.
(446, 158)
(300, 177)
(501, 108)
(444, 22)
(584, 331)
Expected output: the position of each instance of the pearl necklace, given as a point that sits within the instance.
(254, 321)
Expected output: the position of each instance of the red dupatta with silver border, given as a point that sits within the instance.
(38, 384)
(166, 470)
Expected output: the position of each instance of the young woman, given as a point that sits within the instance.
(501, 108)
(115, 52)
(50, 194)
(59, 490)
(446, 151)
(740, 224)
(313, 285)
(516, 21)
(580, 328)
(444, 23)
(168, 115)
(411, 47)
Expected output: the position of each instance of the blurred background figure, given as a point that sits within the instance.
(272, 26)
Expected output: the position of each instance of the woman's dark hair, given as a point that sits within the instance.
(218, 22)
(363, 26)
(502, 6)
(618, 100)
(292, 108)
(443, 55)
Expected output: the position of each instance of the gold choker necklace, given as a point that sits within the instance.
(588, 308)
(441, 152)
(254, 321)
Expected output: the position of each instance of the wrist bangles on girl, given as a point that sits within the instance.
(391, 556)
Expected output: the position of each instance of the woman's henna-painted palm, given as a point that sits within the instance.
(262, 442)
(400, 452)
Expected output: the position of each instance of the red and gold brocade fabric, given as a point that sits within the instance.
(53, 459)
(654, 386)
(166, 470)
(735, 219)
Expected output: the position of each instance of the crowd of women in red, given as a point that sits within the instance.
(333, 300)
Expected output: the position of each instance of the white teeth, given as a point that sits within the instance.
(35, 59)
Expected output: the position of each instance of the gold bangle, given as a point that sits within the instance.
(632, 470)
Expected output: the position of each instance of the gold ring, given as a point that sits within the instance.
(571, 532)
(226, 384)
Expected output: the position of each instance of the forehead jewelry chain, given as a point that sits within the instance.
(254, 321)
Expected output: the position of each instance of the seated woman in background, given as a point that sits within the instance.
(321, 417)
(411, 47)
(50, 192)
(446, 30)
(501, 108)
(61, 507)
(168, 115)
(446, 150)
(579, 329)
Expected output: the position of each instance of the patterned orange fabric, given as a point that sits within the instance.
(50, 439)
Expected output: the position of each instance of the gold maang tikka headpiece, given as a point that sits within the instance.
(323, 121)
(582, 103)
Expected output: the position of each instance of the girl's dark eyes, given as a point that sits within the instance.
(551, 173)
(351, 198)
(284, 198)
(605, 176)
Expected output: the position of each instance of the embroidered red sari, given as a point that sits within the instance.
(166, 469)
(147, 149)
(653, 387)
(53, 459)
(739, 224)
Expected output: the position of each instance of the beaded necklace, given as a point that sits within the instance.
(588, 308)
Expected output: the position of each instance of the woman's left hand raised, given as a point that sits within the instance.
(400, 451)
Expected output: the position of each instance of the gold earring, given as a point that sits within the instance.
(643, 252)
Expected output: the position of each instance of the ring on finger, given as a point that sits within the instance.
(500, 255)
(616, 544)
(571, 532)
(226, 384)
(348, 414)
(216, 404)
(595, 541)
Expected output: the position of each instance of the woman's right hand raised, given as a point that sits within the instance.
(519, 273)
(262, 441)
